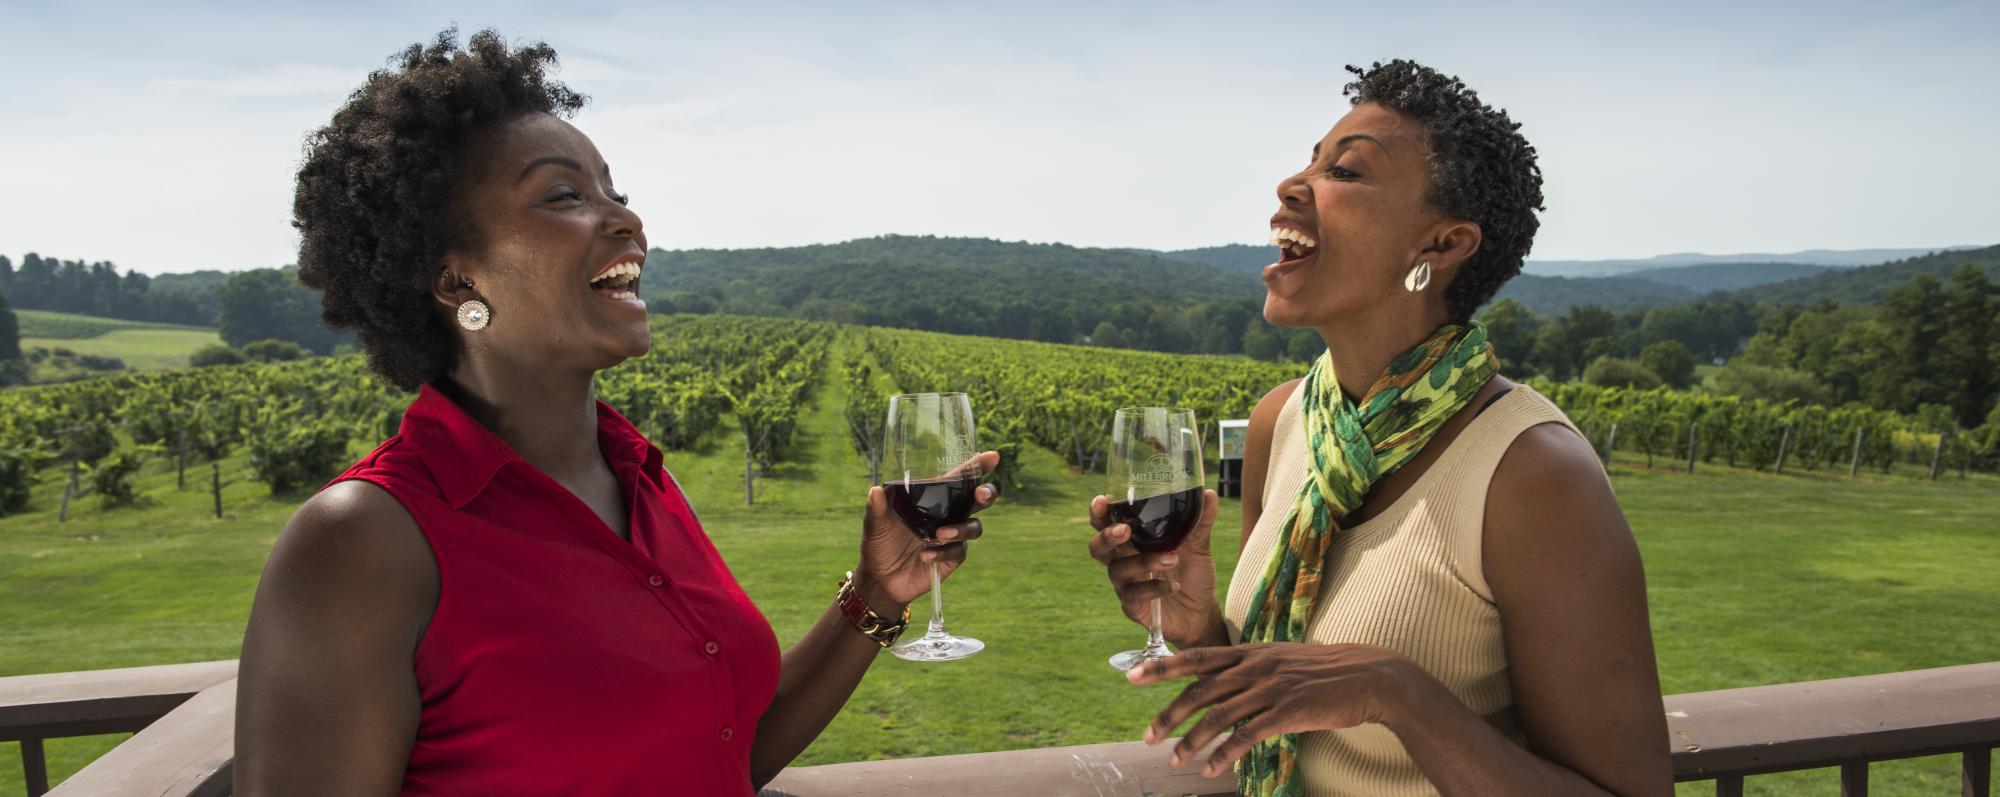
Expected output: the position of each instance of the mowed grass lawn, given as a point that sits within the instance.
(140, 349)
(141, 345)
(1753, 579)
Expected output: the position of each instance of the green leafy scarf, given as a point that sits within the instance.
(1352, 448)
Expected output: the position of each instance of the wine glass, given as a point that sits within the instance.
(931, 473)
(1157, 490)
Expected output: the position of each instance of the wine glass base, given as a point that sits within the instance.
(942, 647)
(1124, 662)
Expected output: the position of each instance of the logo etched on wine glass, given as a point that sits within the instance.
(953, 460)
(1159, 469)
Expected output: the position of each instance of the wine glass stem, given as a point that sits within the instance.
(937, 603)
(1155, 643)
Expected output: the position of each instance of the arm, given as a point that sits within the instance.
(1572, 600)
(1572, 596)
(821, 670)
(326, 694)
(1189, 616)
(816, 677)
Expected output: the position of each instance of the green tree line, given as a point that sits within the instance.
(1931, 342)
(246, 306)
(74, 286)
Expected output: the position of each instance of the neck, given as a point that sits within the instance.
(1363, 345)
(550, 420)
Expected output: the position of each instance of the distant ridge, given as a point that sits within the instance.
(1838, 258)
(1251, 257)
(1874, 283)
(1705, 277)
(1556, 295)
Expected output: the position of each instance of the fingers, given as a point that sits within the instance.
(1222, 717)
(1137, 567)
(1202, 693)
(875, 511)
(1197, 540)
(1247, 735)
(1100, 512)
(960, 532)
(1198, 661)
(1111, 544)
(946, 555)
(1136, 596)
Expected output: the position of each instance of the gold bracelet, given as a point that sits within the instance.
(864, 619)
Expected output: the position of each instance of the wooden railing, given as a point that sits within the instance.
(184, 715)
(57, 705)
(1847, 723)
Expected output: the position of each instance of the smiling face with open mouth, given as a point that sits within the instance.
(550, 245)
(1352, 223)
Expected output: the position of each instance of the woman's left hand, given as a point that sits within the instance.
(896, 563)
(1267, 689)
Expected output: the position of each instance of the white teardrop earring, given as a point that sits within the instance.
(1419, 278)
(473, 315)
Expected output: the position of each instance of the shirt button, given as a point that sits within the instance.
(711, 647)
(655, 580)
(728, 734)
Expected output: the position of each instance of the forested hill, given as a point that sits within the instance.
(1556, 295)
(978, 286)
(1008, 265)
(1874, 283)
(1675, 279)
(1706, 277)
(1235, 257)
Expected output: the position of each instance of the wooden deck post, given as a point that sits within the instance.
(1854, 780)
(1976, 773)
(35, 765)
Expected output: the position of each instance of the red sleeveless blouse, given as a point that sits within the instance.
(561, 659)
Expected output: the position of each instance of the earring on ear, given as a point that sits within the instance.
(473, 314)
(1419, 278)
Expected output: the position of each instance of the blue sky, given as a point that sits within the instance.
(164, 136)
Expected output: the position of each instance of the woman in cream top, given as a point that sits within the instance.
(1480, 625)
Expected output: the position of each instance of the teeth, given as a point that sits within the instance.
(620, 270)
(1280, 235)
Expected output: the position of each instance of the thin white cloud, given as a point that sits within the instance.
(279, 80)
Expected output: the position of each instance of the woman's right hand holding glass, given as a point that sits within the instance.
(1185, 583)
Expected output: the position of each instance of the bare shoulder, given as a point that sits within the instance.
(1548, 461)
(355, 523)
(1549, 509)
(327, 700)
(1566, 574)
(352, 545)
(1265, 415)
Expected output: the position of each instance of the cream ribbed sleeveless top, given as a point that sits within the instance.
(1409, 579)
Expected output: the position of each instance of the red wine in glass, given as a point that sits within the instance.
(1155, 466)
(1160, 522)
(928, 504)
(931, 472)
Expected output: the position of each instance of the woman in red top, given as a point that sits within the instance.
(511, 596)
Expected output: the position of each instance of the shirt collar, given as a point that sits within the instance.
(463, 455)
